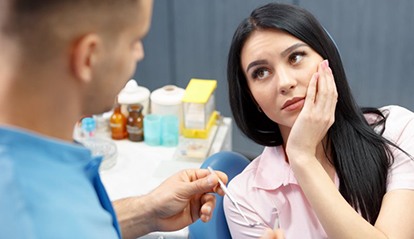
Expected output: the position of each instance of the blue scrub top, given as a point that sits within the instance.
(51, 189)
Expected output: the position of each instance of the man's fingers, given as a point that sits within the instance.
(205, 182)
(198, 186)
(208, 202)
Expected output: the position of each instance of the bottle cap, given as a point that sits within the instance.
(132, 93)
(135, 107)
(167, 95)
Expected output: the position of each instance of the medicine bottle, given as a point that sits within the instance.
(117, 123)
(132, 94)
(135, 123)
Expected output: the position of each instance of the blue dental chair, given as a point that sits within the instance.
(231, 163)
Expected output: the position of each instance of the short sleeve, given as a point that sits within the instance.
(400, 130)
(237, 225)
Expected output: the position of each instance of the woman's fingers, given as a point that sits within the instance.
(317, 115)
(311, 92)
(322, 86)
(331, 95)
(326, 96)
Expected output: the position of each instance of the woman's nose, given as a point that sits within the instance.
(286, 82)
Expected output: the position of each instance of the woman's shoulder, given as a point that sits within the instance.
(393, 111)
(399, 128)
(396, 116)
(396, 111)
(247, 175)
(399, 122)
(255, 172)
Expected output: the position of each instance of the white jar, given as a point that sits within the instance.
(134, 94)
(167, 101)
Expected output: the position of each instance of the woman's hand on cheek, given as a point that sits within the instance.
(316, 117)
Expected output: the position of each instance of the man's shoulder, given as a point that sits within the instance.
(42, 198)
(14, 218)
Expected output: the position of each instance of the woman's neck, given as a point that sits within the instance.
(323, 153)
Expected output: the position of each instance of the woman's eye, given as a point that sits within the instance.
(260, 73)
(296, 57)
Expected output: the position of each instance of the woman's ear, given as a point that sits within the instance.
(85, 53)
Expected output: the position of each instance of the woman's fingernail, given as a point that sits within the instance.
(326, 63)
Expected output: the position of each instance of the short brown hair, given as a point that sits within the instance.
(41, 27)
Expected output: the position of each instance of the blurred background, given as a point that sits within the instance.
(191, 39)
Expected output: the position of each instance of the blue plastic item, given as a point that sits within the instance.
(152, 129)
(88, 126)
(231, 163)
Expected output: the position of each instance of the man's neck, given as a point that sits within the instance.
(52, 112)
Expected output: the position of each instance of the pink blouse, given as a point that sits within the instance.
(267, 189)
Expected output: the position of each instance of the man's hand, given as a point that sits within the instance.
(185, 197)
(179, 201)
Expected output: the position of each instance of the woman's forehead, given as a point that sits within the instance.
(268, 42)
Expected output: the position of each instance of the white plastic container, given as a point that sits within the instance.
(105, 148)
(167, 101)
(134, 94)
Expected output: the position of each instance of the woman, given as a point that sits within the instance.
(329, 168)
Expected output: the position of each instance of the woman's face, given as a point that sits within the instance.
(278, 68)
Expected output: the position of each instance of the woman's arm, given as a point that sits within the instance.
(338, 218)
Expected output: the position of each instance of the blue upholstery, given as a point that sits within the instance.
(232, 164)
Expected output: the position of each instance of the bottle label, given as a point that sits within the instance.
(115, 125)
(134, 130)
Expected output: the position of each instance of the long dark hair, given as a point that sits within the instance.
(360, 156)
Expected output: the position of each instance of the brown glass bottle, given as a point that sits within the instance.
(134, 123)
(117, 123)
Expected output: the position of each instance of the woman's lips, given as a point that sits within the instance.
(293, 104)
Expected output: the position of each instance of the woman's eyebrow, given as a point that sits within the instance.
(292, 48)
(283, 54)
(255, 63)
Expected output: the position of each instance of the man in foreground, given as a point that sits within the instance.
(61, 60)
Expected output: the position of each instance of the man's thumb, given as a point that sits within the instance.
(203, 185)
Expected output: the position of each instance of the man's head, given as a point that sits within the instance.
(93, 44)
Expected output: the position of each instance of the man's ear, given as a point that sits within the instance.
(85, 53)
